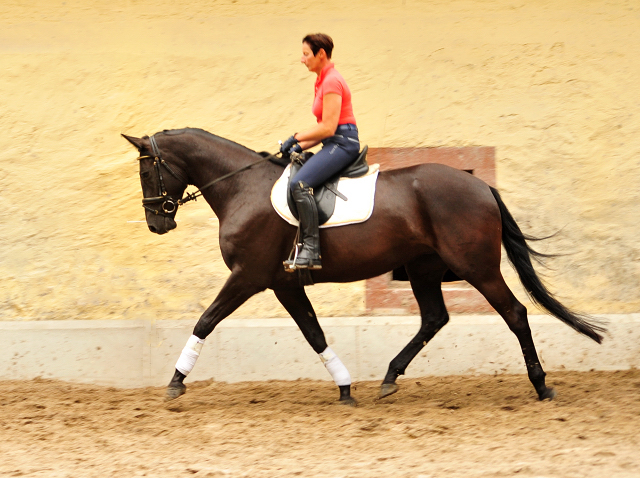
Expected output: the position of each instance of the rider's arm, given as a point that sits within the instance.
(331, 105)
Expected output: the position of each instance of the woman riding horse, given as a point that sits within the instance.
(336, 130)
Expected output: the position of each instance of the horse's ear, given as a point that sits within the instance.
(137, 142)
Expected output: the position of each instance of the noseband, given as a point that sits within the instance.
(169, 204)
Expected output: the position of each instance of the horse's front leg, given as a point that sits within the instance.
(296, 302)
(233, 294)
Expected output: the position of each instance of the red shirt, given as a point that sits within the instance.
(330, 81)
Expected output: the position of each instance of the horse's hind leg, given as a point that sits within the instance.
(425, 275)
(296, 302)
(514, 313)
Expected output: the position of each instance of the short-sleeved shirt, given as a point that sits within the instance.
(330, 81)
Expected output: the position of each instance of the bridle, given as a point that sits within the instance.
(169, 204)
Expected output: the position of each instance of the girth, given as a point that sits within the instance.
(325, 195)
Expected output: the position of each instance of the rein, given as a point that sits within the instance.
(169, 204)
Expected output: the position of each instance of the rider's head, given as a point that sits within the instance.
(319, 41)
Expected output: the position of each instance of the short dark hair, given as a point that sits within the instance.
(319, 41)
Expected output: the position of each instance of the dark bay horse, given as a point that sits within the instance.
(427, 218)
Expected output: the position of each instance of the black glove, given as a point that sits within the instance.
(288, 144)
(295, 149)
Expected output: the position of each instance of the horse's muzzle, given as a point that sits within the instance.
(162, 226)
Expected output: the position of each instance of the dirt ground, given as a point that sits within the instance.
(481, 426)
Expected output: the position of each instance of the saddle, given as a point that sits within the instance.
(326, 194)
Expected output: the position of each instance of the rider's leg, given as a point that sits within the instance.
(336, 155)
(309, 254)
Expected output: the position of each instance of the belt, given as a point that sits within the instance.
(347, 127)
(347, 137)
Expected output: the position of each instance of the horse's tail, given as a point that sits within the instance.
(520, 254)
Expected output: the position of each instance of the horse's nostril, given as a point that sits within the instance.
(153, 229)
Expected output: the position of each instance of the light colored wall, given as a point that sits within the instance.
(552, 85)
(238, 350)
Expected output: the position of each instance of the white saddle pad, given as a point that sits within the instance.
(360, 193)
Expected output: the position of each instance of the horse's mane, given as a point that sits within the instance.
(201, 132)
(211, 136)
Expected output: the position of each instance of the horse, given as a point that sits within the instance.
(429, 218)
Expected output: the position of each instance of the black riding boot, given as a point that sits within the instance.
(309, 254)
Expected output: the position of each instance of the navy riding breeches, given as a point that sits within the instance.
(338, 151)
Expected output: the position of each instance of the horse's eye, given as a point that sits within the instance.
(145, 175)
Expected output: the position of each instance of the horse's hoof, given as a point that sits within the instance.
(174, 391)
(548, 394)
(349, 401)
(387, 389)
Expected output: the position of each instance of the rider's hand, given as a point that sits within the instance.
(285, 148)
(295, 149)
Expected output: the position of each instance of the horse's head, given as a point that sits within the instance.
(162, 184)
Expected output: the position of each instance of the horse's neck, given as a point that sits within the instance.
(214, 160)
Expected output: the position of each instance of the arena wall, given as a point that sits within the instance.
(551, 86)
(137, 353)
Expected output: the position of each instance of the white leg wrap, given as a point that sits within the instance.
(189, 355)
(335, 367)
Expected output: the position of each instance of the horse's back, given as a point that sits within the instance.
(445, 190)
(449, 205)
